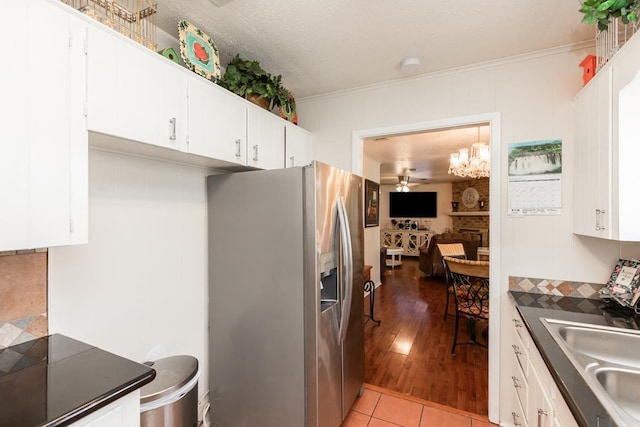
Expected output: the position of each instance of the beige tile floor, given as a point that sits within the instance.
(383, 408)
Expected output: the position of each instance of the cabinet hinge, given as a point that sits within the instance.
(84, 109)
(70, 39)
(86, 46)
(70, 226)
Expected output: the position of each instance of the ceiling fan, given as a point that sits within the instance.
(404, 183)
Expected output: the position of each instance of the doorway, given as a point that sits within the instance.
(495, 198)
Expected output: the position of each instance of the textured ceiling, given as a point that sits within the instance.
(321, 46)
(424, 157)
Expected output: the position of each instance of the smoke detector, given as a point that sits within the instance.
(219, 3)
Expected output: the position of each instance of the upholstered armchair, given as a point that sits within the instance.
(431, 258)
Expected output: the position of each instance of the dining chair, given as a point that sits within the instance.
(471, 293)
(454, 250)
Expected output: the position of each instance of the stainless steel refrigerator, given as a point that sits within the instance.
(286, 318)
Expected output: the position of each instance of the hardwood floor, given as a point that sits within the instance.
(410, 350)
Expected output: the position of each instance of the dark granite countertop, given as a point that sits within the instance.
(56, 380)
(584, 405)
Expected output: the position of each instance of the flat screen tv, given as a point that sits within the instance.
(418, 204)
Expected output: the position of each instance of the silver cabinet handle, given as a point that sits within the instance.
(541, 413)
(599, 214)
(517, 323)
(516, 349)
(172, 128)
(516, 419)
(238, 150)
(516, 384)
(255, 153)
(293, 163)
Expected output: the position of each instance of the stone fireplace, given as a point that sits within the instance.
(472, 219)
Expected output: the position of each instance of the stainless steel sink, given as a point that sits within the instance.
(609, 361)
(623, 385)
(611, 344)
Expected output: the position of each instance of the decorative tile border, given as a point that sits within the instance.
(22, 330)
(22, 356)
(555, 287)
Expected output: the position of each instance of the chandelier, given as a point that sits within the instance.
(472, 163)
(403, 184)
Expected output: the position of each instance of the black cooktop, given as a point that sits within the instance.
(56, 380)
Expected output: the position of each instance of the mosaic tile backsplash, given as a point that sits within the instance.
(555, 287)
(23, 296)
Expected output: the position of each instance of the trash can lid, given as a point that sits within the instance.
(172, 373)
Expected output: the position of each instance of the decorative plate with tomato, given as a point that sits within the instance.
(198, 51)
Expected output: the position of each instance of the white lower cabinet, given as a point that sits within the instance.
(530, 396)
(298, 146)
(124, 412)
(43, 159)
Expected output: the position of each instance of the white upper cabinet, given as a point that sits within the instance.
(138, 95)
(265, 139)
(606, 150)
(124, 89)
(217, 122)
(592, 181)
(43, 160)
(298, 146)
(172, 114)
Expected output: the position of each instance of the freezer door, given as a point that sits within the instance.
(353, 345)
(340, 344)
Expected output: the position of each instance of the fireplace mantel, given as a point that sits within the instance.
(468, 213)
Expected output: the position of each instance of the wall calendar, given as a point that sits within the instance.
(535, 178)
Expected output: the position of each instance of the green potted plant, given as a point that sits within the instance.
(601, 12)
(249, 80)
(285, 102)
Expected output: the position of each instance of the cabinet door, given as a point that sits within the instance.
(265, 139)
(592, 176)
(102, 81)
(172, 117)
(541, 409)
(412, 244)
(139, 95)
(14, 150)
(298, 146)
(124, 412)
(124, 87)
(216, 122)
(41, 143)
(625, 108)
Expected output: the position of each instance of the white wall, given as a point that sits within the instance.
(371, 171)
(141, 282)
(533, 95)
(530, 98)
(444, 205)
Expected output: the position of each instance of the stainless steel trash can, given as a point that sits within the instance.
(171, 399)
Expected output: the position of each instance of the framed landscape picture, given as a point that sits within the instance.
(371, 203)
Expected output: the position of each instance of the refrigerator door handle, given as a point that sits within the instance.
(347, 279)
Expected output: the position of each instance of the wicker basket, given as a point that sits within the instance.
(134, 19)
(259, 101)
(610, 41)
